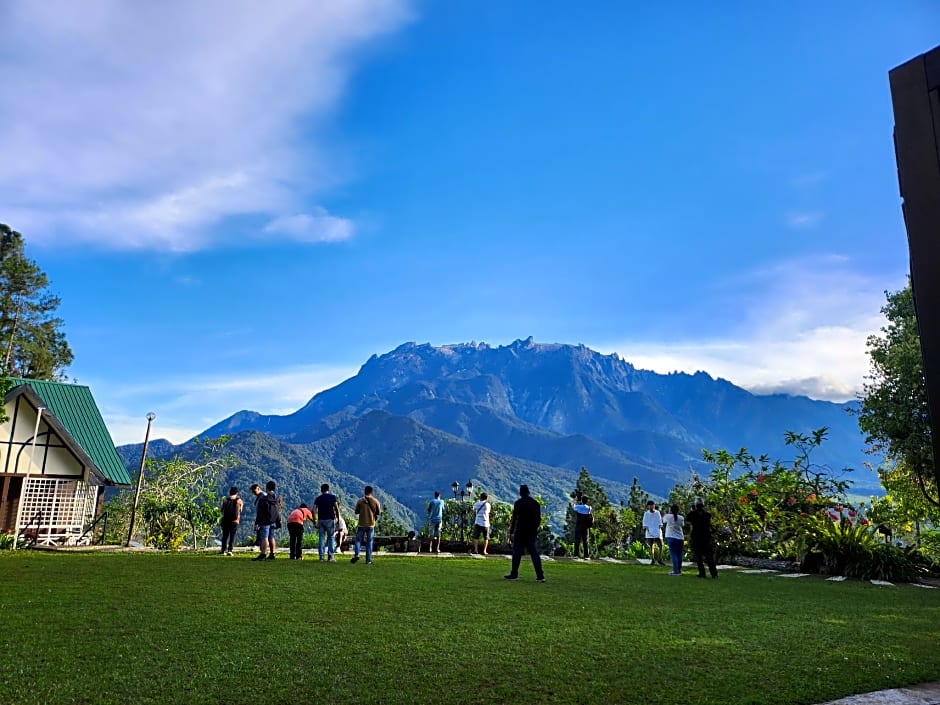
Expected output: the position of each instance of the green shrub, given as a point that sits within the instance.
(6, 542)
(831, 546)
(886, 562)
(637, 549)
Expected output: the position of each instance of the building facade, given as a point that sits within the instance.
(56, 458)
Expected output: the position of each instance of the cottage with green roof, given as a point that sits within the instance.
(56, 458)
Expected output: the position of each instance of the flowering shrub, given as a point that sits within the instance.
(758, 505)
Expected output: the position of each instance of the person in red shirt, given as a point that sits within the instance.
(295, 528)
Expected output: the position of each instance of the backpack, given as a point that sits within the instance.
(275, 508)
(230, 509)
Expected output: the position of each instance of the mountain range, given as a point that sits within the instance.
(420, 417)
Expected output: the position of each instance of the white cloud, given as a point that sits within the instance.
(802, 330)
(319, 226)
(135, 125)
(801, 220)
(187, 406)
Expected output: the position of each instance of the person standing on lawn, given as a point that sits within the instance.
(231, 516)
(267, 519)
(435, 520)
(295, 530)
(327, 508)
(523, 533)
(701, 523)
(257, 493)
(481, 525)
(367, 510)
(653, 523)
(583, 521)
(675, 539)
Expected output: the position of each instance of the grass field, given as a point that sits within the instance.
(152, 628)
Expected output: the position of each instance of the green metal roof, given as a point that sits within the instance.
(75, 409)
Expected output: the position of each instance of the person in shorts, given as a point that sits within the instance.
(481, 524)
(268, 519)
(435, 520)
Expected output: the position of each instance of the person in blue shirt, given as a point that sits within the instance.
(435, 520)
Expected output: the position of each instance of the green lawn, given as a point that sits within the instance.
(150, 628)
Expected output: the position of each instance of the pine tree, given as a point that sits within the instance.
(32, 343)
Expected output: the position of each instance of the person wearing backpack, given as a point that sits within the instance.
(584, 520)
(268, 519)
(231, 516)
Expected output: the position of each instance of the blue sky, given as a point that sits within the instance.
(240, 202)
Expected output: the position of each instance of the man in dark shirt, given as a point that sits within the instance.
(268, 519)
(523, 531)
(326, 507)
(701, 523)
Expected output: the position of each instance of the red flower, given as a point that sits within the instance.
(754, 492)
(760, 478)
(864, 522)
(791, 501)
(811, 497)
(852, 513)
(743, 500)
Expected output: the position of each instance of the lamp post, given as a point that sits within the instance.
(455, 487)
(466, 492)
(140, 477)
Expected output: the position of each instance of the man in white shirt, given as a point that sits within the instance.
(653, 524)
(481, 525)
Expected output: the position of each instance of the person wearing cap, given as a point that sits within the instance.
(702, 551)
(523, 533)
(653, 523)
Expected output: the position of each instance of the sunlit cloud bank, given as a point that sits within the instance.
(143, 125)
(185, 407)
(802, 329)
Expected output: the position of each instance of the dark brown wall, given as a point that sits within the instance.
(915, 95)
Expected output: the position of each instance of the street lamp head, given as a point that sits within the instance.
(150, 416)
(454, 487)
(469, 487)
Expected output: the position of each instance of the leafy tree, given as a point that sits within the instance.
(636, 503)
(179, 499)
(387, 526)
(894, 415)
(5, 385)
(758, 505)
(596, 497)
(33, 344)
